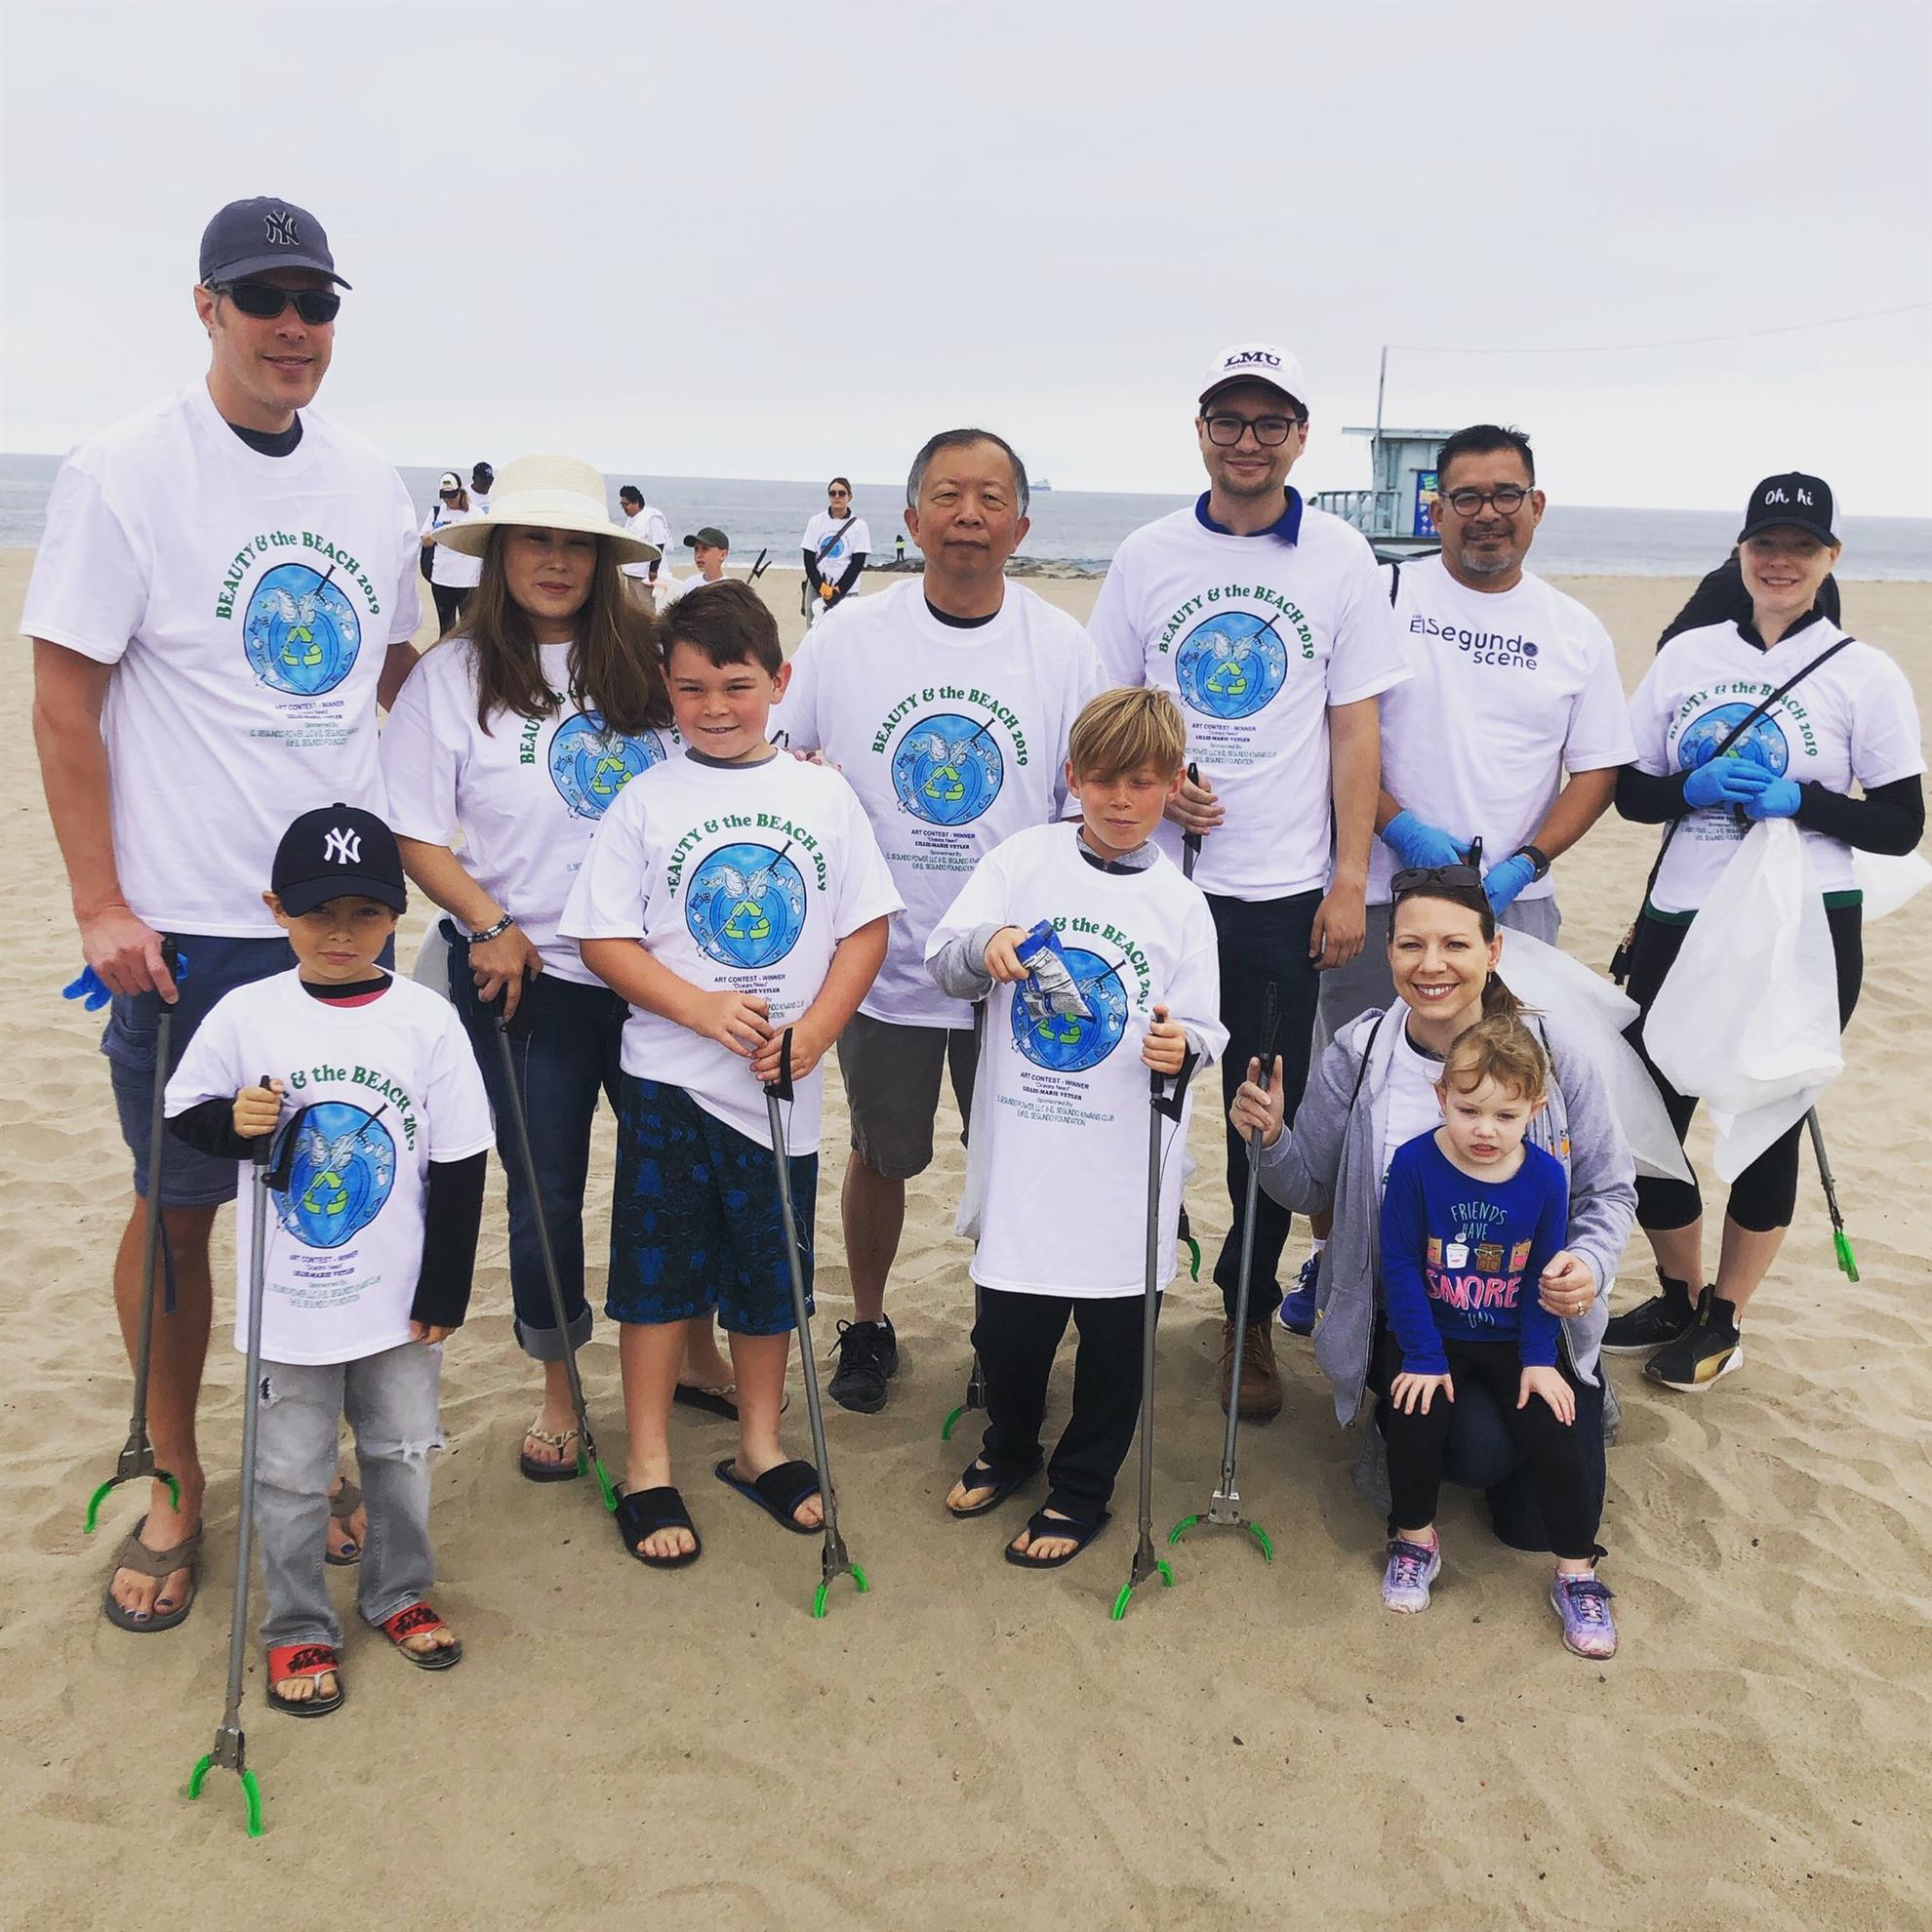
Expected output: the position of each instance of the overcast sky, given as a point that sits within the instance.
(753, 240)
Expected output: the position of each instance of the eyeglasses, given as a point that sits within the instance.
(1508, 500)
(838, 493)
(1419, 878)
(1270, 431)
(265, 300)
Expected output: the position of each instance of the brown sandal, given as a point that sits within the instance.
(133, 1555)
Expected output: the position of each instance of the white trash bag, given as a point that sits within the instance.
(1552, 983)
(1746, 1018)
(1888, 881)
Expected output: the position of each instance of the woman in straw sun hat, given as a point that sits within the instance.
(520, 728)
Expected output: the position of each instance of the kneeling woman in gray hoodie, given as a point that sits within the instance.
(1375, 1089)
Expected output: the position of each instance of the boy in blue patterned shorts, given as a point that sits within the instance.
(731, 896)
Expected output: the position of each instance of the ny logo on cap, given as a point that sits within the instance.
(1242, 357)
(342, 847)
(282, 228)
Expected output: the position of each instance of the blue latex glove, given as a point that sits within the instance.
(1417, 844)
(1501, 883)
(90, 989)
(1780, 799)
(1726, 781)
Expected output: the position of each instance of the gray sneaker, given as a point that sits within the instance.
(1411, 1570)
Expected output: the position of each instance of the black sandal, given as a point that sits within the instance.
(641, 1512)
(977, 1475)
(1039, 1524)
(778, 1492)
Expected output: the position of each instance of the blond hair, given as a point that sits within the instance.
(1499, 1048)
(1128, 731)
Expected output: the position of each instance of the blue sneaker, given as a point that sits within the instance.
(1298, 1309)
(1411, 1569)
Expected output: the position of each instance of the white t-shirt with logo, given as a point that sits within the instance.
(247, 603)
(1511, 690)
(1061, 1129)
(392, 1086)
(953, 738)
(649, 523)
(1851, 720)
(452, 569)
(526, 797)
(855, 537)
(739, 877)
(1255, 638)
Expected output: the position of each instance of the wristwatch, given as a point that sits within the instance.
(1537, 857)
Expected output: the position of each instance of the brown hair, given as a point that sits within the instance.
(1498, 1001)
(1126, 730)
(616, 668)
(1499, 1047)
(729, 622)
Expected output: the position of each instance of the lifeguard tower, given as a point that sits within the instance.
(1392, 512)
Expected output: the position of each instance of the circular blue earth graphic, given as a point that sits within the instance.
(302, 632)
(1763, 743)
(746, 906)
(1063, 1044)
(590, 765)
(947, 770)
(344, 1168)
(1231, 666)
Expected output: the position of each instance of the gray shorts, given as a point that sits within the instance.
(1365, 984)
(892, 1088)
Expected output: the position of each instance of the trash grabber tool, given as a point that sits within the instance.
(976, 1383)
(759, 565)
(588, 1459)
(1190, 851)
(836, 1563)
(138, 1452)
(1840, 1240)
(1223, 1511)
(230, 1746)
(1147, 1561)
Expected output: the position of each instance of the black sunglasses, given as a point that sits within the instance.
(265, 300)
(1419, 878)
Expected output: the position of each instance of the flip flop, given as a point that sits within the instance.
(713, 1402)
(134, 1555)
(304, 1660)
(560, 1440)
(977, 1475)
(342, 1507)
(778, 1492)
(411, 1621)
(1040, 1524)
(639, 1511)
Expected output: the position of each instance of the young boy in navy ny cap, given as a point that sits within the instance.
(369, 1087)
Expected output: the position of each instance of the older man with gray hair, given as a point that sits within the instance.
(947, 700)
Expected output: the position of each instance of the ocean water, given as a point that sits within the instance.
(1083, 526)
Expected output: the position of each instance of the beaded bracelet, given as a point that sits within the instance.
(497, 931)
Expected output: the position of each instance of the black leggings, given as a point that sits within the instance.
(1552, 1451)
(450, 600)
(1764, 1196)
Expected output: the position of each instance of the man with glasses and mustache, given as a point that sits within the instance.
(225, 593)
(1514, 726)
(1267, 619)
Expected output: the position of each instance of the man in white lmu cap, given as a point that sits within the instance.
(1269, 621)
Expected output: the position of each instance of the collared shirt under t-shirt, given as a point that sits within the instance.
(1257, 638)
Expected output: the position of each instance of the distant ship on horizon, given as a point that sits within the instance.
(1040, 483)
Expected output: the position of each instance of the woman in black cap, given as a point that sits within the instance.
(1803, 713)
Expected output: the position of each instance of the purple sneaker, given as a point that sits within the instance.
(1584, 1604)
(1411, 1570)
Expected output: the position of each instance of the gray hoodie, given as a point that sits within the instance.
(1332, 1158)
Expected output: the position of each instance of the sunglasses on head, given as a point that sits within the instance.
(1419, 878)
(265, 300)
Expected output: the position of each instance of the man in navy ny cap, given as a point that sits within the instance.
(225, 592)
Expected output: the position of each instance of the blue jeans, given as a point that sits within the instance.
(390, 1401)
(565, 1042)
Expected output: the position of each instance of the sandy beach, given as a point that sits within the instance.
(968, 1746)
